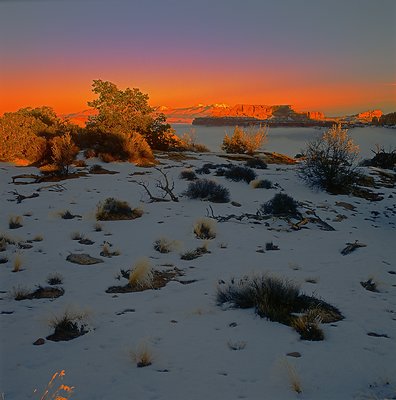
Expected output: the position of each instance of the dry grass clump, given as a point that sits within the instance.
(17, 264)
(59, 392)
(261, 184)
(205, 228)
(164, 245)
(3, 245)
(38, 238)
(15, 222)
(141, 275)
(245, 140)
(193, 254)
(142, 356)
(66, 214)
(68, 325)
(113, 210)
(294, 379)
(76, 236)
(106, 251)
(238, 345)
(20, 293)
(98, 227)
(279, 300)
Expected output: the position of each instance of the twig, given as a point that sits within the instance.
(352, 247)
(21, 197)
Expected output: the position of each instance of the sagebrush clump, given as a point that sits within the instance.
(207, 190)
(238, 173)
(281, 205)
(112, 209)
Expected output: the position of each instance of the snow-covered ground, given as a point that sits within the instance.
(189, 336)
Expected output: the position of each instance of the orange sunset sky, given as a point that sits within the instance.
(334, 56)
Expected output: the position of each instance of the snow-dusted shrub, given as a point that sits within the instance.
(330, 161)
(281, 205)
(205, 228)
(208, 190)
(238, 173)
(55, 279)
(68, 325)
(245, 140)
(112, 209)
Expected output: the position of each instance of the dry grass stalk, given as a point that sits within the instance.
(60, 392)
(141, 275)
(17, 264)
(142, 356)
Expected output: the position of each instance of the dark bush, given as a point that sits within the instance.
(237, 173)
(279, 300)
(383, 159)
(208, 190)
(188, 175)
(329, 161)
(281, 205)
(257, 163)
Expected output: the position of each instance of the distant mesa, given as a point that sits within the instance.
(244, 114)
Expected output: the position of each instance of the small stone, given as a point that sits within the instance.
(233, 325)
(236, 204)
(39, 342)
(295, 354)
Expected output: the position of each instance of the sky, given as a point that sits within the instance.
(334, 56)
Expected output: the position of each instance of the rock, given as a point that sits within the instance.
(83, 259)
(295, 354)
(39, 342)
(236, 204)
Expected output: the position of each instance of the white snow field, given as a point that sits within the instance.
(200, 350)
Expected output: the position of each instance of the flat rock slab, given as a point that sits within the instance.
(83, 259)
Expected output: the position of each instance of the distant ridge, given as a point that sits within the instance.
(213, 114)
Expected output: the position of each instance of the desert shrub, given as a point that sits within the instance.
(270, 246)
(141, 276)
(383, 159)
(55, 279)
(205, 228)
(207, 190)
(189, 142)
(370, 285)
(245, 141)
(76, 236)
(279, 300)
(106, 251)
(98, 227)
(67, 215)
(261, 184)
(15, 222)
(112, 209)
(237, 173)
(64, 153)
(281, 205)
(38, 238)
(329, 161)
(188, 175)
(257, 163)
